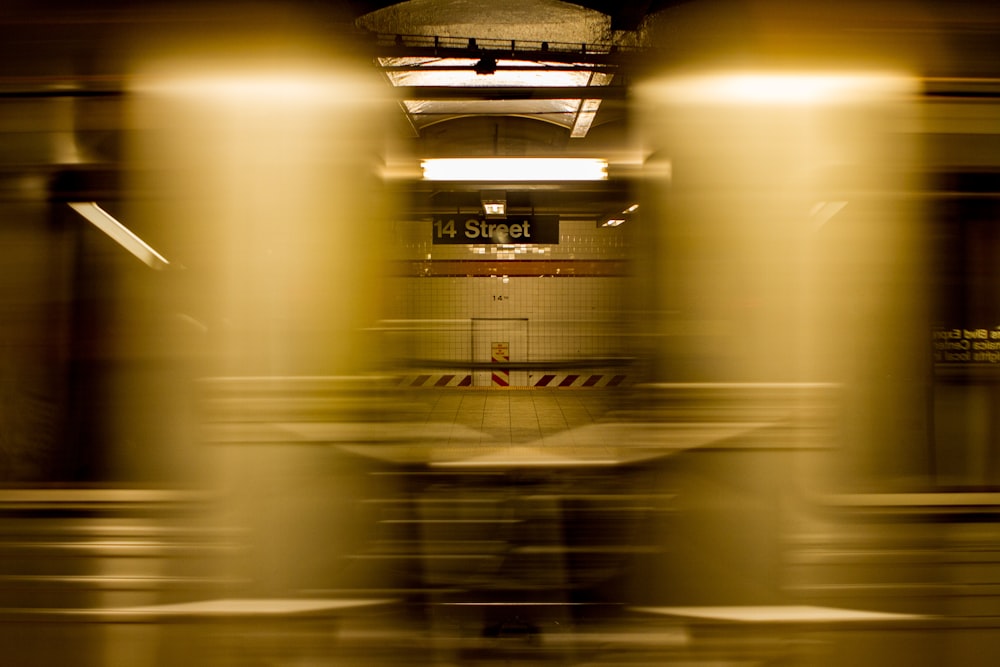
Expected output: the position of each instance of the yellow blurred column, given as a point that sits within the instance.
(256, 150)
(769, 171)
(781, 255)
(269, 178)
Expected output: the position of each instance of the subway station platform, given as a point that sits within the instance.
(511, 416)
(524, 425)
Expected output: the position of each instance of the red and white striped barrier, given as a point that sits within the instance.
(437, 380)
(566, 380)
(543, 381)
(501, 355)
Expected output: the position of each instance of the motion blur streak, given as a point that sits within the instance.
(260, 155)
(352, 422)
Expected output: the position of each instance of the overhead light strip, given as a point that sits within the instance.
(120, 233)
(618, 219)
(519, 170)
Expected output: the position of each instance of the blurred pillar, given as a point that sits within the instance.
(781, 243)
(782, 228)
(266, 176)
(256, 151)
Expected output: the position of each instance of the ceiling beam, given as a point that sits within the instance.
(423, 46)
(612, 92)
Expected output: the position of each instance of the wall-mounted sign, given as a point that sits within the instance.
(963, 346)
(501, 355)
(467, 229)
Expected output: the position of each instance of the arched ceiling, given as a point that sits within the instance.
(522, 20)
(619, 14)
(543, 60)
(517, 78)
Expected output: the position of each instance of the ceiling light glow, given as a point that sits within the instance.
(618, 219)
(792, 88)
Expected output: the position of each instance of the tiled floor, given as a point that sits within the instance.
(511, 416)
(444, 426)
(493, 427)
(534, 427)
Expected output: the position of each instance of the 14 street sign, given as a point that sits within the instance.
(472, 230)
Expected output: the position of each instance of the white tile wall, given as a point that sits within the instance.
(568, 317)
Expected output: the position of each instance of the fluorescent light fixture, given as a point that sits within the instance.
(525, 463)
(494, 203)
(617, 219)
(515, 169)
(120, 233)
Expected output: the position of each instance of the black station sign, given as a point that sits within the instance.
(469, 229)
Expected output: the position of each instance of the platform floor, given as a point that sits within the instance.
(499, 417)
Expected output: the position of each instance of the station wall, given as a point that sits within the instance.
(566, 302)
